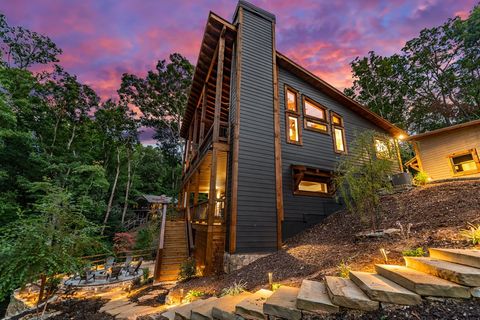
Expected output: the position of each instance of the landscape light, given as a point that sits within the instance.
(401, 137)
(270, 280)
(384, 254)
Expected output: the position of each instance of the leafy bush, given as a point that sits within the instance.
(123, 242)
(187, 269)
(343, 269)
(145, 237)
(234, 289)
(419, 252)
(276, 286)
(421, 178)
(193, 295)
(472, 234)
(145, 274)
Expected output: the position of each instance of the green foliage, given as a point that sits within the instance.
(432, 83)
(472, 233)
(234, 289)
(123, 242)
(145, 274)
(362, 175)
(187, 269)
(146, 237)
(193, 295)
(418, 252)
(343, 269)
(421, 178)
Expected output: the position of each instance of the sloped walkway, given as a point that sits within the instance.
(447, 273)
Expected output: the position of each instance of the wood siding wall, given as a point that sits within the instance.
(317, 151)
(256, 211)
(434, 151)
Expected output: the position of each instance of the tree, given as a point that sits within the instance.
(364, 173)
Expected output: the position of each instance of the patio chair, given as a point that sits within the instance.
(128, 262)
(115, 273)
(134, 269)
(109, 262)
(86, 275)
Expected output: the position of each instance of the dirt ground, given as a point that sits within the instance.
(437, 212)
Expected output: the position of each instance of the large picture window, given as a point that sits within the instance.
(338, 134)
(292, 117)
(465, 162)
(312, 182)
(315, 116)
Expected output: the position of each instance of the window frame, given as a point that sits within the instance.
(389, 145)
(309, 118)
(341, 127)
(292, 114)
(475, 157)
(315, 175)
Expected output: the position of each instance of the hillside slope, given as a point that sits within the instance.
(437, 212)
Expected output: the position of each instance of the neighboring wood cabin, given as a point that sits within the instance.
(448, 153)
(263, 138)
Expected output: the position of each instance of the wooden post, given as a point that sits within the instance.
(236, 138)
(278, 148)
(195, 133)
(417, 154)
(202, 115)
(158, 260)
(399, 156)
(209, 268)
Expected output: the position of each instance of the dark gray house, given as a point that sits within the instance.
(263, 137)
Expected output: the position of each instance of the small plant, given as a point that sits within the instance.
(234, 289)
(187, 269)
(343, 269)
(421, 178)
(275, 286)
(404, 231)
(472, 233)
(193, 295)
(419, 252)
(145, 274)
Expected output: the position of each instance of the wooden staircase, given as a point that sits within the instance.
(175, 250)
(451, 273)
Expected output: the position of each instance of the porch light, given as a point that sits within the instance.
(401, 137)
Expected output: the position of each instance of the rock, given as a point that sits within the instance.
(185, 311)
(282, 304)
(457, 273)
(344, 293)
(380, 289)
(252, 307)
(313, 296)
(461, 256)
(422, 283)
(378, 233)
(226, 309)
(475, 292)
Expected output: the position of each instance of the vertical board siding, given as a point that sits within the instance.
(317, 151)
(256, 214)
(434, 151)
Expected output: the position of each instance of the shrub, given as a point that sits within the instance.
(275, 286)
(234, 289)
(363, 175)
(472, 234)
(421, 178)
(145, 237)
(123, 242)
(193, 295)
(419, 252)
(187, 269)
(145, 274)
(343, 269)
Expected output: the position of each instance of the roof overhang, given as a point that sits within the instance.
(337, 95)
(444, 130)
(205, 72)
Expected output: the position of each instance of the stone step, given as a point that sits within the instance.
(205, 311)
(381, 289)
(185, 311)
(226, 309)
(422, 283)
(458, 273)
(252, 307)
(283, 304)
(313, 296)
(461, 256)
(343, 292)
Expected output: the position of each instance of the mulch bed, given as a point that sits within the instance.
(80, 309)
(437, 212)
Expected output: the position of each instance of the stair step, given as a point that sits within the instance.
(204, 311)
(461, 256)
(185, 312)
(458, 273)
(381, 289)
(343, 292)
(283, 304)
(422, 283)
(252, 307)
(313, 296)
(226, 309)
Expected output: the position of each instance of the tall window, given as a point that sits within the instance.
(315, 116)
(292, 116)
(383, 148)
(464, 163)
(338, 133)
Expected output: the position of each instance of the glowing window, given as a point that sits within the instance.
(291, 101)
(339, 140)
(336, 120)
(293, 135)
(312, 186)
(315, 125)
(314, 110)
(382, 148)
(465, 163)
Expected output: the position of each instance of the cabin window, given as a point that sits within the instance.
(312, 182)
(383, 148)
(315, 116)
(338, 134)
(465, 162)
(292, 116)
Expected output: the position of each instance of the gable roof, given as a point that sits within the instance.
(444, 130)
(337, 95)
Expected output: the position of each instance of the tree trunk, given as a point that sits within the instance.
(43, 280)
(127, 191)
(71, 137)
(57, 123)
(112, 194)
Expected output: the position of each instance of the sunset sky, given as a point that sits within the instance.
(101, 39)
